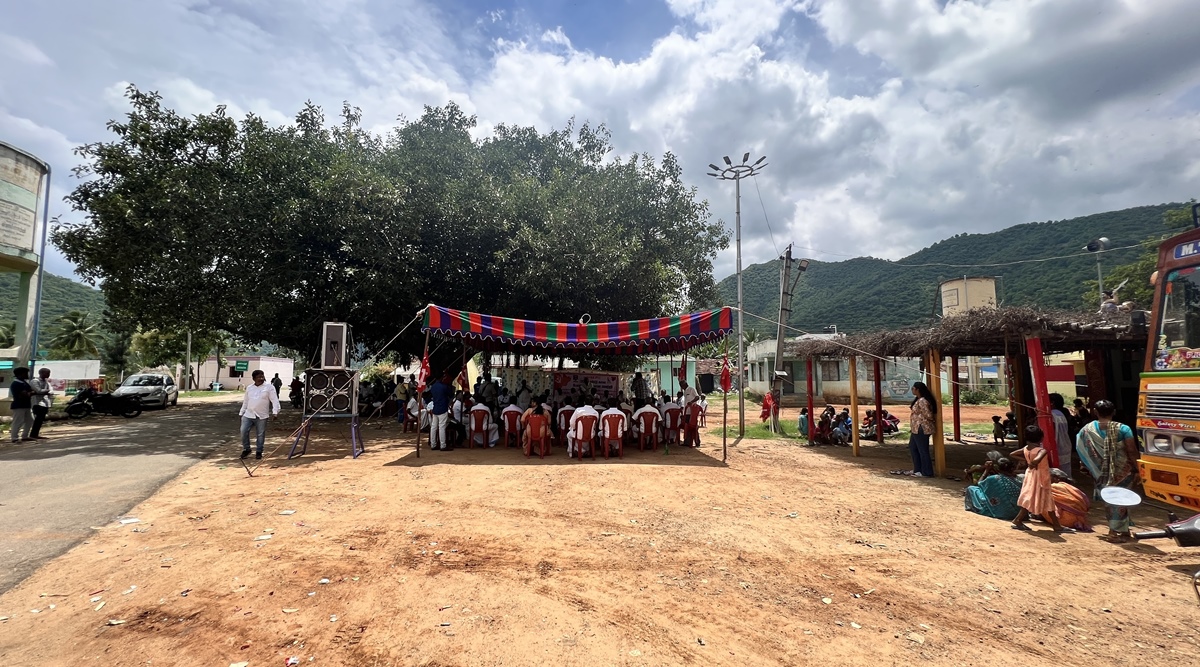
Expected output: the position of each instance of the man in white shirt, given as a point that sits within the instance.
(40, 405)
(258, 404)
(491, 433)
(690, 395)
(509, 409)
(586, 445)
(637, 417)
(607, 430)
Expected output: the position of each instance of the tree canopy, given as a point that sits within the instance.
(208, 223)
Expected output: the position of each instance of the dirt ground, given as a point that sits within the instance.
(785, 555)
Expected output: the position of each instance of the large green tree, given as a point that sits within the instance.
(208, 223)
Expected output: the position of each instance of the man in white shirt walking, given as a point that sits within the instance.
(260, 403)
(42, 399)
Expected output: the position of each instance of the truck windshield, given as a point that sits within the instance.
(1177, 345)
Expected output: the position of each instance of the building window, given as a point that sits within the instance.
(831, 371)
(882, 371)
(234, 372)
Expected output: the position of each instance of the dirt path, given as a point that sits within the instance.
(90, 471)
(787, 555)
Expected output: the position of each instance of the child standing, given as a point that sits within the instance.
(1036, 496)
(997, 430)
(802, 423)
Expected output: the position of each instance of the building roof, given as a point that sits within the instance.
(982, 332)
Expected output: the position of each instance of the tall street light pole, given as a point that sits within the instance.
(736, 172)
(1098, 246)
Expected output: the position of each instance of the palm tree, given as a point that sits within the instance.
(78, 336)
(750, 337)
(6, 335)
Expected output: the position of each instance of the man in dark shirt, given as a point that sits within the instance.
(443, 393)
(22, 404)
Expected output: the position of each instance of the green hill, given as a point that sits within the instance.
(59, 296)
(866, 294)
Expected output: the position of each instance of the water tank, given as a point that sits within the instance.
(963, 294)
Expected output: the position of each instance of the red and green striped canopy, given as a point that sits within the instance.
(653, 336)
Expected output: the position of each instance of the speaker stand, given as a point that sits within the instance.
(356, 441)
(302, 433)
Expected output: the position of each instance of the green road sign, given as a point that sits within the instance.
(241, 366)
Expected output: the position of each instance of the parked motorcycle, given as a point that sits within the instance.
(88, 400)
(1186, 533)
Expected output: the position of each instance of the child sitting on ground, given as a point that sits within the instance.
(997, 430)
(1010, 424)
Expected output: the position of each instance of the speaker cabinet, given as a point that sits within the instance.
(330, 393)
(333, 345)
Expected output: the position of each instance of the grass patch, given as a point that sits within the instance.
(759, 431)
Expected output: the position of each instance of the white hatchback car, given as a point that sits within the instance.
(155, 389)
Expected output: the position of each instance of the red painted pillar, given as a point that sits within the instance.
(955, 398)
(878, 401)
(1037, 365)
(812, 417)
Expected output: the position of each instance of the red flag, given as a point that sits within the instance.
(463, 382)
(726, 377)
(423, 376)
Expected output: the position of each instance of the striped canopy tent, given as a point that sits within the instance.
(658, 335)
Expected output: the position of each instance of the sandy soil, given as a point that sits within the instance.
(786, 555)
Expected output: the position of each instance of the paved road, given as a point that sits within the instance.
(89, 473)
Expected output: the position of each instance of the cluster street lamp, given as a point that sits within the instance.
(736, 172)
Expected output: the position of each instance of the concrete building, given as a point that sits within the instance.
(235, 371)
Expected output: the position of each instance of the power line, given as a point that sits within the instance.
(1019, 261)
(754, 177)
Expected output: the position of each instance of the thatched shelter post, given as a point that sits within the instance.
(939, 436)
(812, 418)
(854, 404)
(878, 400)
(955, 398)
(1037, 365)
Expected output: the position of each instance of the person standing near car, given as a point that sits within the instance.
(41, 401)
(21, 393)
(260, 402)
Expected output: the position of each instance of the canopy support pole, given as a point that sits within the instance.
(878, 401)
(939, 435)
(853, 404)
(421, 400)
(812, 416)
(725, 411)
(1037, 365)
(956, 398)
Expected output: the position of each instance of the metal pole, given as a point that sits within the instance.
(1099, 277)
(854, 405)
(187, 366)
(737, 189)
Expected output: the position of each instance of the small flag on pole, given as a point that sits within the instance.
(423, 376)
(463, 382)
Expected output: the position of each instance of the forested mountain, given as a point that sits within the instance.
(59, 296)
(865, 294)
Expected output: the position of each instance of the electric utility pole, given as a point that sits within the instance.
(785, 311)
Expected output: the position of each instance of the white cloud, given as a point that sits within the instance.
(22, 51)
(888, 124)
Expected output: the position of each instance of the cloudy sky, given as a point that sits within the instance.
(888, 124)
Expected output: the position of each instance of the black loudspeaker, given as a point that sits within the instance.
(333, 345)
(330, 393)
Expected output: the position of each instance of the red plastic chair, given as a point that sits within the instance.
(564, 426)
(671, 424)
(512, 428)
(585, 431)
(691, 427)
(614, 424)
(479, 424)
(649, 431)
(538, 428)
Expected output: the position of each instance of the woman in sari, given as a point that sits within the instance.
(1070, 503)
(1109, 452)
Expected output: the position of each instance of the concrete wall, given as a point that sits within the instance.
(208, 371)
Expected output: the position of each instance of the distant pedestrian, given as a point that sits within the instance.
(277, 383)
(22, 400)
(41, 399)
(259, 403)
(998, 432)
(442, 395)
(924, 411)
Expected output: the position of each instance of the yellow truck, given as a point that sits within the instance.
(1169, 396)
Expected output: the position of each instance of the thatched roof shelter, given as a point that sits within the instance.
(982, 332)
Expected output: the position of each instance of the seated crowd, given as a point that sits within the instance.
(586, 422)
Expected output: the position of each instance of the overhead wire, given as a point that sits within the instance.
(765, 218)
